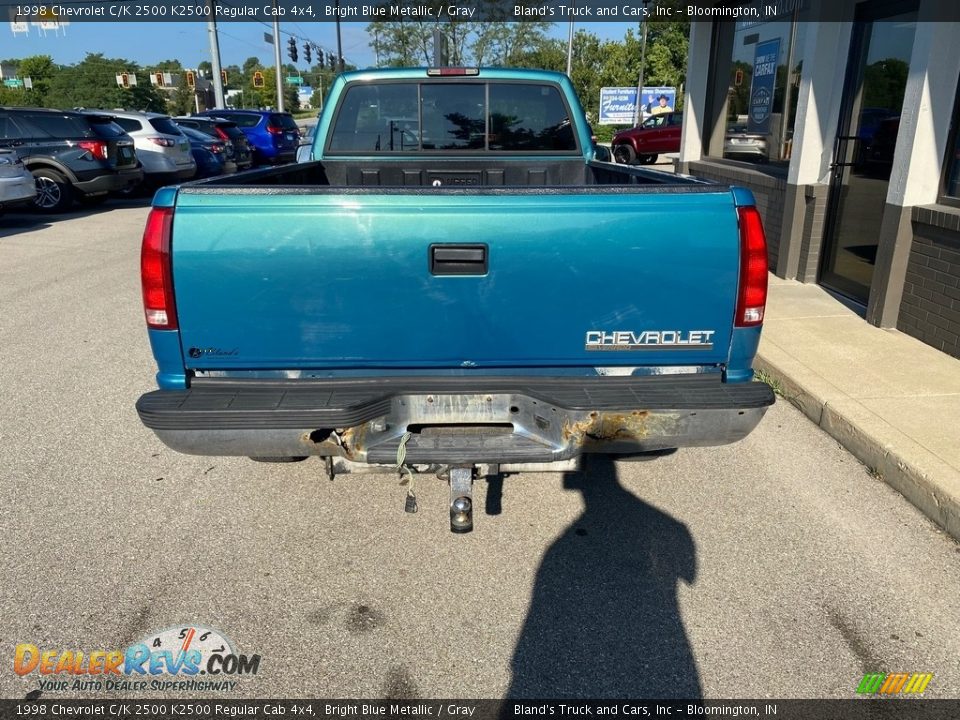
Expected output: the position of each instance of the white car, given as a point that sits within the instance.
(162, 149)
(17, 186)
(306, 144)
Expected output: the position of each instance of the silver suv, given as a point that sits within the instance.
(163, 150)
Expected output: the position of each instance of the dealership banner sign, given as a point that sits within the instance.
(765, 59)
(618, 105)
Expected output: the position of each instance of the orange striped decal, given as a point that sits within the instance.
(894, 683)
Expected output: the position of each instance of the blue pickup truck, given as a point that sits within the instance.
(455, 285)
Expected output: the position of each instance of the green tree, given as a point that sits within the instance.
(401, 43)
(405, 43)
(885, 83)
(40, 69)
(92, 83)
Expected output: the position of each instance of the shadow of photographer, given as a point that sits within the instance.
(604, 620)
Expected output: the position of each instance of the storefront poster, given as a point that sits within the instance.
(765, 60)
(618, 105)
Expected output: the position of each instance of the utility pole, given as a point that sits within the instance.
(276, 58)
(570, 49)
(215, 55)
(643, 57)
(339, 42)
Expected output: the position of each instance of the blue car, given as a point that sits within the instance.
(210, 154)
(274, 136)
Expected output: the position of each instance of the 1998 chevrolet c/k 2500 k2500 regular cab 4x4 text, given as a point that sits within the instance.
(453, 278)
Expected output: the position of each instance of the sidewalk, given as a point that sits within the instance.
(889, 399)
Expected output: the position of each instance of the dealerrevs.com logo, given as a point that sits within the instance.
(188, 657)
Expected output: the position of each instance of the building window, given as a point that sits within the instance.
(754, 88)
(951, 175)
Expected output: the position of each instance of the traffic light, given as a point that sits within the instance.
(331, 61)
(292, 45)
(223, 76)
(125, 80)
(191, 79)
(306, 52)
(258, 79)
(159, 78)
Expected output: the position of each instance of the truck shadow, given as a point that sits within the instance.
(604, 620)
(19, 220)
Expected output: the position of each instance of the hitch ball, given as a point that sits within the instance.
(461, 515)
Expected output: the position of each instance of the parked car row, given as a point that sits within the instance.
(17, 187)
(56, 157)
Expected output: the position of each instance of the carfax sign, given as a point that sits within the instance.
(618, 105)
(761, 90)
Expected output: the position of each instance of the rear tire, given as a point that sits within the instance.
(624, 154)
(54, 192)
(648, 159)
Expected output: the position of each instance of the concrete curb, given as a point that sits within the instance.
(920, 476)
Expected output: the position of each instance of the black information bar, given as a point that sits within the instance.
(853, 709)
(746, 14)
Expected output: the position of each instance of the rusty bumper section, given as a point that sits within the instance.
(454, 420)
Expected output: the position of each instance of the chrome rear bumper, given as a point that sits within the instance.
(454, 420)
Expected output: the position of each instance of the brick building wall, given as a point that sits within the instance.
(930, 309)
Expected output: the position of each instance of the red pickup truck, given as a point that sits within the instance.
(655, 135)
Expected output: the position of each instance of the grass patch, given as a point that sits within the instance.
(774, 383)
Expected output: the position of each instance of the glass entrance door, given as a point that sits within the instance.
(877, 71)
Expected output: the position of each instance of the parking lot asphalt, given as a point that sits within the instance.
(777, 567)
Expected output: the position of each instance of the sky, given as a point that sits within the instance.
(151, 42)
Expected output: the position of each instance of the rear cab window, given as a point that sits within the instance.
(469, 117)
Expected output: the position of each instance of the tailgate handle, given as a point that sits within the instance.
(458, 259)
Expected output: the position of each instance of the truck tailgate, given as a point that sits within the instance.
(353, 279)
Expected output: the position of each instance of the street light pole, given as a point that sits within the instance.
(276, 58)
(638, 116)
(339, 41)
(570, 49)
(215, 55)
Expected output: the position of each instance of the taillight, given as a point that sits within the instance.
(752, 295)
(216, 148)
(274, 129)
(221, 134)
(96, 148)
(161, 141)
(156, 274)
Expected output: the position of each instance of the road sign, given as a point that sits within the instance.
(13, 83)
(294, 80)
(268, 38)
